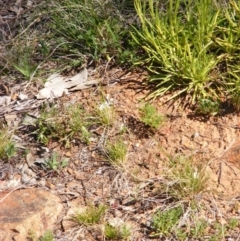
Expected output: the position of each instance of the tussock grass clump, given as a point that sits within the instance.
(120, 232)
(187, 180)
(7, 146)
(105, 114)
(64, 126)
(116, 152)
(90, 216)
(164, 222)
(191, 47)
(96, 29)
(178, 44)
(149, 116)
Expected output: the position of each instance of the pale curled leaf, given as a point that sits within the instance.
(57, 85)
(5, 100)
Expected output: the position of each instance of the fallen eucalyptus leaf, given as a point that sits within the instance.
(57, 85)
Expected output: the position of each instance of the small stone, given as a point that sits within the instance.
(195, 135)
(68, 154)
(118, 213)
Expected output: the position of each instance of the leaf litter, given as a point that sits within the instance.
(58, 85)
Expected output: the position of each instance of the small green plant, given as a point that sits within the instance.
(25, 66)
(47, 236)
(149, 116)
(208, 107)
(45, 125)
(54, 164)
(219, 231)
(233, 223)
(64, 126)
(178, 43)
(165, 221)
(92, 28)
(7, 146)
(10, 150)
(90, 216)
(235, 99)
(199, 229)
(117, 232)
(233, 87)
(116, 152)
(78, 123)
(187, 180)
(105, 114)
(21, 56)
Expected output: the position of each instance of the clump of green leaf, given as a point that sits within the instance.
(47, 236)
(53, 163)
(199, 228)
(191, 48)
(116, 152)
(105, 114)
(7, 146)
(178, 43)
(95, 29)
(90, 216)
(25, 65)
(79, 123)
(208, 107)
(149, 116)
(64, 126)
(164, 222)
(187, 180)
(117, 232)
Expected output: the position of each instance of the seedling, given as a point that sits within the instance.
(105, 114)
(7, 146)
(53, 163)
(23, 60)
(10, 150)
(187, 180)
(116, 152)
(233, 223)
(236, 100)
(117, 232)
(165, 221)
(47, 236)
(78, 123)
(90, 216)
(63, 126)
(149, 116)
(199, 229)
(208, 107)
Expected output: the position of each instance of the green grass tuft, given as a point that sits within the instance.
(90, 216)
